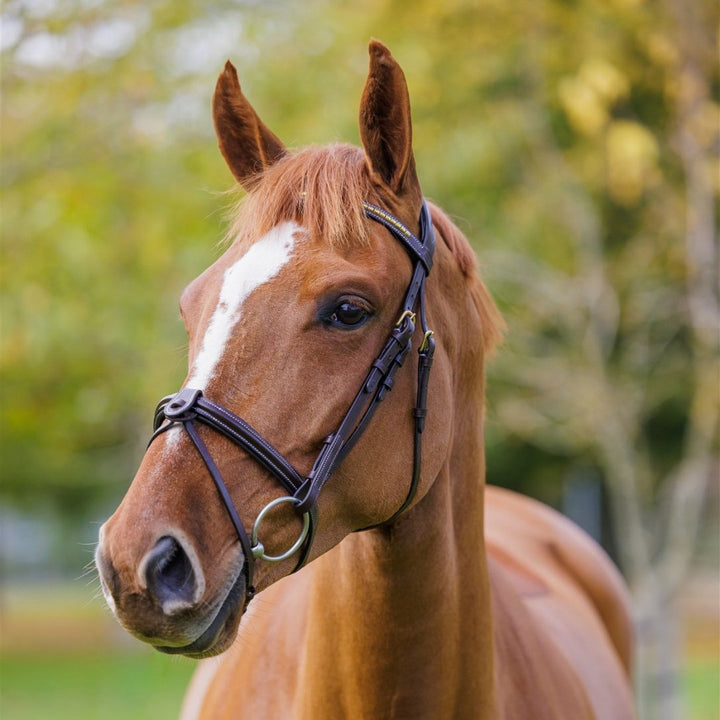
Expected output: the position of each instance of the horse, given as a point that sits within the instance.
(311, 519)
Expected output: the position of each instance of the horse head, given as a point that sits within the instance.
(284, 331)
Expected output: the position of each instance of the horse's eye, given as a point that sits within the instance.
(347, 315)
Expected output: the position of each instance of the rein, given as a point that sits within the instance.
(189, 406)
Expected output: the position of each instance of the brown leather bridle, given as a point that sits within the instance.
(189, 406)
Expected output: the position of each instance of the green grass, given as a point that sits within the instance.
(148, 686)
(137, 685)
(64, 657)
(702, 688)
(68, 660)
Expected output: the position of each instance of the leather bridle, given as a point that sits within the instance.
(190, 406)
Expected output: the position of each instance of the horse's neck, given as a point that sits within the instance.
(402, 627)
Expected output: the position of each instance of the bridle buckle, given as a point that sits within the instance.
(406, 315)
(426, 341)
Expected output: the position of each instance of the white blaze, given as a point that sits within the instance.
(262, 262)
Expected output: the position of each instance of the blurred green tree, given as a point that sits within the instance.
(575, 142)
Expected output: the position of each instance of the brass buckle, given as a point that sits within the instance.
(405, 315)
(426, 341)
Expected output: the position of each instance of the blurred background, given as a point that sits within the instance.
(575, 142)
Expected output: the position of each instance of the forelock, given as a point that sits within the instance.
(320, 188)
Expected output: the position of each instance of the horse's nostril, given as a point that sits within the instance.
(170, 576)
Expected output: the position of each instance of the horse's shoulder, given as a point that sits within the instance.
(543, 551)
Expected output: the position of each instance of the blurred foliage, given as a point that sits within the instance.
(574, 141)
(549, 129)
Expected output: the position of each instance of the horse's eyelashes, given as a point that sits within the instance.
(347, 315)
(344, 310)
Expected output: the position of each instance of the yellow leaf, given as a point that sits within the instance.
(632, 156)
(605, 79)
(585, 110)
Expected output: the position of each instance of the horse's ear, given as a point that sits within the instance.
(247, 145)
(385, 126)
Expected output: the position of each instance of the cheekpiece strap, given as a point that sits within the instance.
(380, 378)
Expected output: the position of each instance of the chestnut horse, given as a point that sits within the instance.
(427, 594)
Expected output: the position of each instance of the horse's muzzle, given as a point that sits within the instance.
(162, 598)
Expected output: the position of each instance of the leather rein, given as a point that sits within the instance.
(190, 406)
